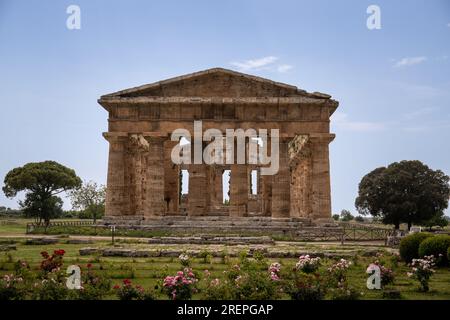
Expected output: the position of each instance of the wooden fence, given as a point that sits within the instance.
(77, 223)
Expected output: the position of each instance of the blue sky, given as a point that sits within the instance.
(393, 84)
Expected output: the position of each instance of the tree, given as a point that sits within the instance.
(346, 215)
(359, 219)
(404, 192)
(41, 181)
(438, 220)
(90, 198)
(335, 217)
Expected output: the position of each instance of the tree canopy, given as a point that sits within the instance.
(90, 198)
(41, 181)
(404, 192)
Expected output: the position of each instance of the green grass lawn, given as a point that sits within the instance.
(149, 272)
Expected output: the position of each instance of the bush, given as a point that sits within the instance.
(306, 287)
(448, 254)
(409, 246)
(436, 246)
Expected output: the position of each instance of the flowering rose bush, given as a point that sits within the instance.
(422, 270)
(344, 292)
(52, 263)
(11, 287)
(307, 264)
(128, 291)
(184, 260)
(306, 287)
(93, 286)
(274, 270)
(181, 286)
(53, 287)
(338, 271)
(387, 275)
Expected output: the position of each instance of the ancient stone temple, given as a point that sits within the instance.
(144, 187)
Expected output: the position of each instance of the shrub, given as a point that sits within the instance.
(181, 286)
(216, 289)
(409, 246)
(338, 271)
(52, 263)
(307, 264)
(436, 246)
(422, 270)
(11, 288)
(94, 286)
(448, 254)
(184, 260)
(306, 287)
(344, 292)
(128, 291)
(50, 289)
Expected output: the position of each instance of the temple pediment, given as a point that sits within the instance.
(216, 82)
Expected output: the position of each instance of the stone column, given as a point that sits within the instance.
(171, 180)
(218, 186)
(154, 186)
(116, 204)
(135, 174)
(281, 185)
(238, 190)
(320, 176)
(198, 190)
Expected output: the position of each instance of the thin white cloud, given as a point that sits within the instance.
(264, 63)
(342, 121)
(284, 68)
(409, 61)
(254, 64)
(418, 113)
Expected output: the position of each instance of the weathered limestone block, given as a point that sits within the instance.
(281, 185)
(198, 189)
(238, 190)
(321, 189)
(154, 186)
(116, 193)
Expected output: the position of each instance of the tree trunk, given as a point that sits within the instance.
(409, 225)
(397, 225)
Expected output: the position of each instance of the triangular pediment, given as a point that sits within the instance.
(216, 82)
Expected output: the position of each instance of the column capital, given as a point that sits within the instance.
(321, 137)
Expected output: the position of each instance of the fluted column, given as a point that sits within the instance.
(238, 190)
(116, 188)
(198, 190)
(281, 184)
(154, 185)
(321, 189)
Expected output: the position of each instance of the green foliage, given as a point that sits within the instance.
(409, 245)
(335, 217)
(436, 246)
(89, 198)
(359, 219)
(448, 254)
(41, 181)
(346, 215)
(306, 287)
(438, 220)
(405, 191)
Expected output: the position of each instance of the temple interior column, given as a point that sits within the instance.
(321, 190)
(281, 184)
(197, 203)
(238, 190)
(154, 193)
(171, 180)
(115, 204)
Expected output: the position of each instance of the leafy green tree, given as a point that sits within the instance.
(359, 219)
(346, 215)
(335, 217)
(90, 199)
(439, 220)
(404, 192)
(41, 182)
